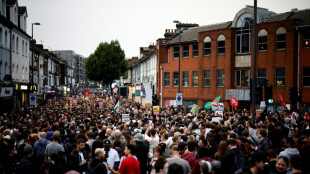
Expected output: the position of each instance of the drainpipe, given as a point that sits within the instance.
(298, 65)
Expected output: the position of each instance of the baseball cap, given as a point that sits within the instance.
(136, 130)
(177, 133)
(182, 145)
(107, 142)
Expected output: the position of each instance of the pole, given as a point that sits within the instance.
(179, 86)
(119, 75)
(32, 80)
(254, 62)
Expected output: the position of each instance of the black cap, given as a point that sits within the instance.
(107, 142)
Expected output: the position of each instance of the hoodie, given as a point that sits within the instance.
(289, 153)
(190, 158)
(40, 146)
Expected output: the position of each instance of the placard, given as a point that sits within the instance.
(195, 109)
(156, 110)
(125, 118)
(219, 114)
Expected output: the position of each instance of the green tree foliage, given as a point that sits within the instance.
(102, 65)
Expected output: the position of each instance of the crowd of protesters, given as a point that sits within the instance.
(88, 137)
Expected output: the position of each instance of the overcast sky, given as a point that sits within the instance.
(80, 25)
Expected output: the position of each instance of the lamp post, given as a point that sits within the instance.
(36, 23)
(254, 61)
(180, 32)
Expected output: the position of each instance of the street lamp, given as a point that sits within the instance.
(180, 32)
(36, 23)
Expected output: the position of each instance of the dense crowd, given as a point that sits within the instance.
(84, 134)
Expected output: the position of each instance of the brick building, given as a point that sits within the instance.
(217, 59)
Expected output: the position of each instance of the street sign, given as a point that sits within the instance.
(32, 99)
(179, 99)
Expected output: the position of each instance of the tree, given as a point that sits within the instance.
(102, 65)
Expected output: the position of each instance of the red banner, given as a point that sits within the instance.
(234, 102)
(282, 101)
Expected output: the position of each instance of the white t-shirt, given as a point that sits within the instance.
(113, 157)
(153, 143)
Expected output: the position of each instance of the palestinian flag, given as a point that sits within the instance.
(118, 104)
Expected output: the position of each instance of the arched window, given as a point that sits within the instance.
(6, 39)
(23, 77)
(23, 48)
(17, 45)
(221, 44)
(26, 49)
(13, 71)
(281, 38)
(16, 72)
(13, 43)
(207, 46)
(1, 38)
(243, 33)
(262, 40)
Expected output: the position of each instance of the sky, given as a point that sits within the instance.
(80, 25)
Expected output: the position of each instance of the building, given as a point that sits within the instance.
(217, 59)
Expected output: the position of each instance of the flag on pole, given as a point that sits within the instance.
(208, 105)
(118, 104)
(216, 100)
(234, 102)
(282, 101)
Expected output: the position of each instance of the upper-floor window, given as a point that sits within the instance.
(13, 42)
(185, 51)
(0, 69)
(262, 40)
(206, 78)
(243, 33)
(242, 78)
(195, 79)
(176, 52)
(195, 50)
(175, 79)
(3, 8)
(220, 77)
(1, 39)
(167, 79)
(16, 16)
(280, 76)
(25, 23)
(221, 44)
(306, 39)
(261, 76)
(6, 38)
(17, 45)
(23, 47)
(207, 46)
(26, 49)
(306, 76)
(185, 79)
(281, 38)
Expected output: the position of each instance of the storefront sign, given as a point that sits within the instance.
(6, 92)
(239, 94)
(23, 87)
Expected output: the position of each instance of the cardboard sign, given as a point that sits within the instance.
(125, 118)
(219, 114)
(156, 110)
(195, 109)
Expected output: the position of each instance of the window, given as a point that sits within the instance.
(175, 79)
(195, 50)
(280, 38)
(176, 52)
(26, 49)
(15, 16)
(242, 78)
(185, 51)
(207, 46)
(23, 74)
(306, 76)
(195, 79)
(0, 68)
(306, 39)
(220, 77)
(1, 36)
(13, 71)
(13, 43)
(243, 33)
(23, 48)
(6, 39)
(280, 76)
(261, 76)
(185, 79)
(6, 69)
(221, 44)
(262, 40)
(206, 78)
(17, 45)
(167, 79)
(16, 72)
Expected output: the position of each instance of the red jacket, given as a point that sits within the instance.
(190, 158)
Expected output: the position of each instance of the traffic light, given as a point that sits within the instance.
(299, 96)
(292, 94)
(268, 93)
(258, 95)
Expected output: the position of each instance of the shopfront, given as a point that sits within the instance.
(21, 94)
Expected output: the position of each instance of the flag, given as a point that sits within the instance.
(208, 105)
(234, 102)
(282, 101)
(116, 107)
(216, 100)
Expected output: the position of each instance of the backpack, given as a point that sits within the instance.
(120, 152)
(239, 160)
